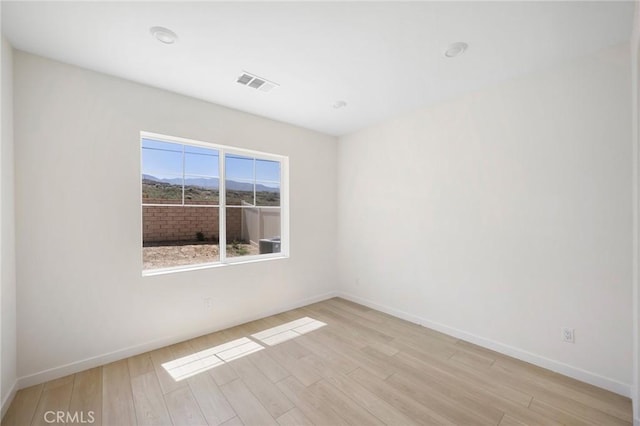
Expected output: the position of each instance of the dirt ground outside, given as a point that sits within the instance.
(158, 255)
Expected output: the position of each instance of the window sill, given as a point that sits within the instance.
(228, 262)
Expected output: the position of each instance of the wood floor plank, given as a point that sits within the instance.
(55, 397)
(200, 343)
(337, 327)
(223, 374)
(438, 389)
(407, 406)
(463, 376)
(150, 406)
(360, 366)
(294, 417)
(309, 403)
(348, 409)
(86, 398)
(244, 330)
(551, 377)
(52, 384)
(323, 368)
(558, 414)
(140, 364)
(330, 356)
(369, 401)
(214, 405)
(288, 355)
(600, 399)
(472, 360)
(461, 345)
(267, 393)
(559, 400)
(268, 366)
(248, 407)
(182, 349)
(235, 421)
(356, 307)
(507, 420)
(353, 353)
(388, 324)
(23, 406)
(482, 392)
(159, 357)
(403, 327)
(117, 398)
(372, 330)
(357, 328)
(433, 347)
(183, 408)
(457, 407)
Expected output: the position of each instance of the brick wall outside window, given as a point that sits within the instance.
(177, 223)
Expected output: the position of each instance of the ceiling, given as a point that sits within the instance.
(381, 58)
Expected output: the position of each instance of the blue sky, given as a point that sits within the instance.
(164, 160)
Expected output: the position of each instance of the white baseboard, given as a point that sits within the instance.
(635, 404)
(77, 366)
(8, 399)
(612, 385)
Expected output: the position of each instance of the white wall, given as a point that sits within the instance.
(81, 293)
(7, 232)
(635, 77)
(503, 216)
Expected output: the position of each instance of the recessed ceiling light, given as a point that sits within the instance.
(164, 35)
(455, 49)
(339, 104)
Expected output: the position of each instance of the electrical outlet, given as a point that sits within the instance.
(568, 335)
(208, 304)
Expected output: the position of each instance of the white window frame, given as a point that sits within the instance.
(223, 150)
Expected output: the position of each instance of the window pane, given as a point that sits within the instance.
(201, 190)
(161, 191)
(177, 236)
(201, 162)
(238, 192)
(237, 244)
(269, 231)
(252, 230)
(267, 170)
(237, 167)
(267, 194)
(165, 146)
(159, 162)
(192, 149)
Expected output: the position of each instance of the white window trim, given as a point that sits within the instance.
(223, 260)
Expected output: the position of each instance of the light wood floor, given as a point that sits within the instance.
(362, 368)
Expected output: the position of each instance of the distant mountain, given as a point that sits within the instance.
(203, 182)
(212, 183)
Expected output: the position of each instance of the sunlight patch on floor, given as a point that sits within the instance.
(288, 331)
(198, 362)
(190, 365)
(242, 348)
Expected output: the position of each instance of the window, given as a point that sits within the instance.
(205, 204)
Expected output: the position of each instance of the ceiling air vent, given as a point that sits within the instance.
(256, 82)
